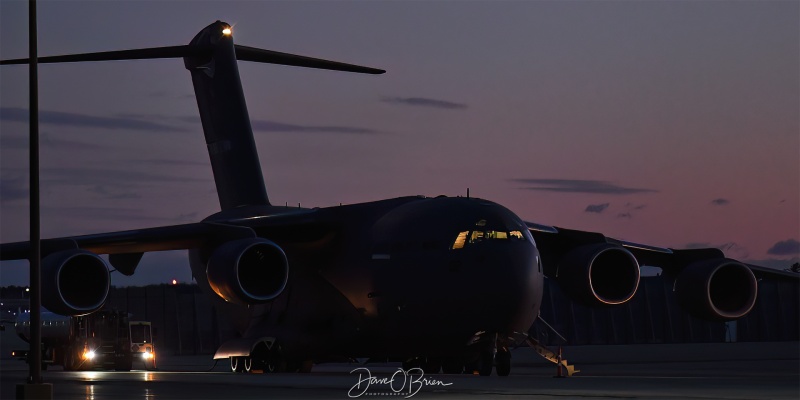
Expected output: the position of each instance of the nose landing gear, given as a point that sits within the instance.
(493, 354)
(502, 361)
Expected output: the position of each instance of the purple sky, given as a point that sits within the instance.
(667, 123)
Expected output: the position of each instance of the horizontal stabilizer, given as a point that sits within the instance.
(138, 54)
(243, 53)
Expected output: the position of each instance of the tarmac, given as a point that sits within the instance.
(659, 371)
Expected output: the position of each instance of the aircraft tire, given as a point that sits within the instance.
(503, 361)
(259, 358)
(275, 362)
(237, 365)
(248, 364)
(487, 362)
(275, 366)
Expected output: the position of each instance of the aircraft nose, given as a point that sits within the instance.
(471, 266)
(506, 288)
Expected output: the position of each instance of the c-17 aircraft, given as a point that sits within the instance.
(441, 282)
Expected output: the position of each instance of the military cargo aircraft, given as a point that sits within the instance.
(443, 282)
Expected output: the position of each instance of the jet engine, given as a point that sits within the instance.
(248, 271)
(720, 289)
(74, 282)
(599, 274)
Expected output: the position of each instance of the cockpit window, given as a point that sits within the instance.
(496, 235)
(479, 236)
(460, 240)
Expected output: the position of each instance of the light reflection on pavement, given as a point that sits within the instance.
(735, 372)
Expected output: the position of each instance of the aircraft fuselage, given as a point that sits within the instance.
(398, 277)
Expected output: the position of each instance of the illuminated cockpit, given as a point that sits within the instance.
(482, 233)
(471, 237)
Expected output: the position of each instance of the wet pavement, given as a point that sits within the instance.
(695, 371)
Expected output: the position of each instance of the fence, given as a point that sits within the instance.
(185, 322)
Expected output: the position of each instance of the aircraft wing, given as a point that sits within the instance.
(175, 237)
(597, 270)
(555, 242)
(76, 281)
(132, 243)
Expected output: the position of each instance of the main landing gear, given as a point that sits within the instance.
(428, 365)
(268, 360)
(487, 360)
(237, 364)
(492, 353)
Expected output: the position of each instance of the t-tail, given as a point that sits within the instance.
(211, 58)
(226, 124)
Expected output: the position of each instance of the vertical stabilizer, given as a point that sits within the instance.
(211, 57)
(226, 124)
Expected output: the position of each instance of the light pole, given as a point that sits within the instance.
(35, 375)
(34, 387)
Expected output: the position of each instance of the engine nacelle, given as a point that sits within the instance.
(599, 274)
(720, 290)
(248, 271)
(74, 282)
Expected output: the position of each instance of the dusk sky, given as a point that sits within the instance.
(668, 123)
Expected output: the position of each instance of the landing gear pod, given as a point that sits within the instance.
(74, 282)
(720, 290)
(599, 274)
(248, 271)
